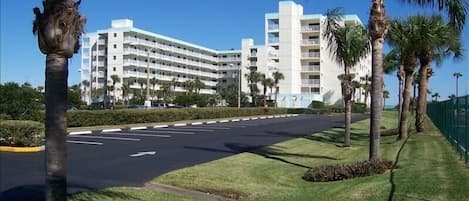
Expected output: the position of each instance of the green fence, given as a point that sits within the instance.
(452, 117)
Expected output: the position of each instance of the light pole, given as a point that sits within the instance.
(457, 75)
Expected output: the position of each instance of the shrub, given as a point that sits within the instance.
(359, 108)
(349, 171)
(21, 133)
(316, 104)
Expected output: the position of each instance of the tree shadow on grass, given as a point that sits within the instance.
(272, 152)
(391, 177)
(38, 193)
(336, 137)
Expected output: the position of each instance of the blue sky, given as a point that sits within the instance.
(217, 24)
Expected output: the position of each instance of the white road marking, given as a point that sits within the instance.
(270, 117)
(224, 121)
(79, 132)
(111, 130)
(184, 129)
(84, 142)
(143, 153)
(163, 131)
(246, 119)
(107, 138)
(178, 125)
(138, 128)
(160, 126)
(254, 118)
(197, 123)
(211, 122)
(137, 134)
(233, 120)
(262, 117)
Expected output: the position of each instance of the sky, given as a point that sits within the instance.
(216, 24)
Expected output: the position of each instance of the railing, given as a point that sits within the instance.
(310, 41)
(452, 118)
(271, 27)
(273, 40)
(310, 81)
(311, 68)
(311, 54)
(310, 28)
(229, 59)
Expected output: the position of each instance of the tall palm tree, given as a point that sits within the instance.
(189, 86)
(115, 79)
(385, 96)
(401, 38)
(355, 85)
(378, 26)
(277, 77)
(393, 61)
(153, 82)
(271, 85)
(141, 82)
(125, 90)
(347, 45)
(437, 40)
(266, 83)
(253, 78)
(58, 29)
(85, 84)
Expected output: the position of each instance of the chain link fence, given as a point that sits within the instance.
(452, 117)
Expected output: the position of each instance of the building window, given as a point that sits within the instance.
(224, 81)
(115, 35)
(115, 46)
(114, 69)
(114, 57)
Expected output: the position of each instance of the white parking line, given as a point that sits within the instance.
(111, 130)
(197, 123)
(137, 134)
(80, 132)
(211, 122)
(107, 138)
(84, 142)
(224, 121)
(178, 125)
(166, 132)
(138, 128)
(160, 126)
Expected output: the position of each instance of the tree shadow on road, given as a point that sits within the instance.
(272, 152)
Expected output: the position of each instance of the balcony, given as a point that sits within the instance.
(273, 40)
(272, 27)
(100, 63)
(311, 55)
(311, 28)
(310, 41)
(273, 53)
(101, 42)
(229, 59)
(311, 68)
(311, 82)
(253, 64)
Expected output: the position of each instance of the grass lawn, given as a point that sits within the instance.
(125, 194)
(428, 169)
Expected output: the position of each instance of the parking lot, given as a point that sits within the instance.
(133, 156)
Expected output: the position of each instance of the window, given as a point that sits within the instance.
(224, 81)
(115, 35)
(114, 57)
(115, 46)
(114, 69)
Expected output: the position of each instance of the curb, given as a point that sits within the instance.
(22, 149)
(182, 124)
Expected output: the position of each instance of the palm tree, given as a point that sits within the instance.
(277, 77)
(198, 85)
(393, 61)
(266, 83)
(436, 95)
(125, 90)
(366, 86)
(271, 85)
(115, 79)
(85, 84)
(141, 82)
(153, 82)
(355, 85)
(189, 86)
(58, 28)
(437, 40)
(378, 27)
(253, 78)
(403, 55)
(348, 45)
(385, 96)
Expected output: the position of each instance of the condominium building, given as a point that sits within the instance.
(293, 46)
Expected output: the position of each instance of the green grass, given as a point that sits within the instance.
(428, 169)
(126, 194)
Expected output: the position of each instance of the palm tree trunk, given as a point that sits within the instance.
(348, 120)
(401, 77)
(379, 25)
(422, 98)
(403, 128)
(56, 127)
(276, 95)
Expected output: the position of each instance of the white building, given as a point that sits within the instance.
(293, 46)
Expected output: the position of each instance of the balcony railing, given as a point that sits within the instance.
(314, 82)
(273, 40)
(311, 54)
(273, 27)
(229, 59)
(311, 68)
(310, 41)
(310, 28)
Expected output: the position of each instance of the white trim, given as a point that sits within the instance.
(111, 130)
(178, 125)
(210, 122)
(160, 126)
(224, 121)
(197, 123)
(138, 128)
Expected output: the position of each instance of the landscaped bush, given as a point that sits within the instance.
(132, 116)
(21, 133)
(316, 104)
(349, 171)
(359, 108)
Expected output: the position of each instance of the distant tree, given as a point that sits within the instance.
(198, 85)
(253, 78)
(436, 96)
(115, 79)
(277, 77)
(74, 96)
(85, 84)
(385, 96)
(19, 102)
(153, 82)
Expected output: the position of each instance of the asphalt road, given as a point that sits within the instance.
(133, 157)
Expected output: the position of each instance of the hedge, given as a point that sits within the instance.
(19, 133)
(347, 171)
(131, 116)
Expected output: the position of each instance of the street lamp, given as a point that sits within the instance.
(457, 75)
(239, 85)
